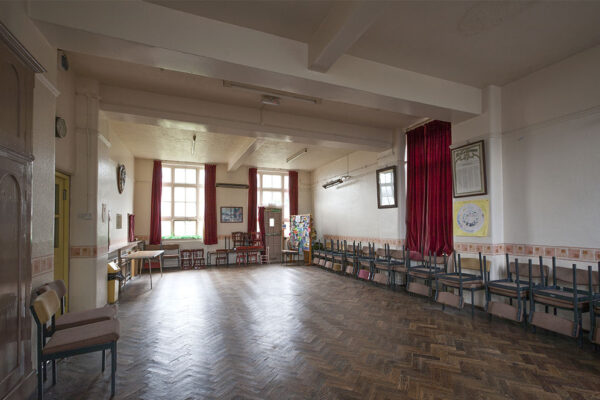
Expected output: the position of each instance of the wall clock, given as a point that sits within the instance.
(60, 127)
(121, 174)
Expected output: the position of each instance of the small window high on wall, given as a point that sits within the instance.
(273, 190)
(182, 208)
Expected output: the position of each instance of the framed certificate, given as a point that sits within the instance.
(468, 170)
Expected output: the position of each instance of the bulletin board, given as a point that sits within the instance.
(301, 233)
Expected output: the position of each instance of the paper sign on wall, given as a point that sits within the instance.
(471, 217)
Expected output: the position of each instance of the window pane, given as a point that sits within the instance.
(277, 198)
(165, 228)
(179, 193)
(190, 176)
(190, 194)
(190, 209)
(190, 228)
(267, 181)
(166, 193)
(179, 209)
(276, 181)
(267, 198)
(179, 227)
(165, 209)
(201, 204)
(201, 177)
(286, 182)
(166, 175)
(179, 175)
(258, 180)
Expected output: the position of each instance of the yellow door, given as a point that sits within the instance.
(61, 230)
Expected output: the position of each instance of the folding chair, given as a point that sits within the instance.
(187, 260)
(567, 297)
(515, 287)
(426, 270)
(462, 281)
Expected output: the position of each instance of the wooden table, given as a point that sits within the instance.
(147, 255)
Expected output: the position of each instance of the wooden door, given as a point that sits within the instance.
(61, 230)
(273, 232)
(16, 94)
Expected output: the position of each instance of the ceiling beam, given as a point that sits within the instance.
(243, 152)
(345, 23)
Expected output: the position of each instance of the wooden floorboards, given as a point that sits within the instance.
(273, 332)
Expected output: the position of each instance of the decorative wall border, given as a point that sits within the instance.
(84, 251)
(514, 249)
(42, 265)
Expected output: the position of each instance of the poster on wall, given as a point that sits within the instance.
(301, 234)
(468, 170)
(471, 217)
(232, 215)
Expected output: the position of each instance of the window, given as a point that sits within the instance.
(386, 187)
(273, 190)
(182, 208)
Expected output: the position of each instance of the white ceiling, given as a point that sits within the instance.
(149, 141)
(473, 42)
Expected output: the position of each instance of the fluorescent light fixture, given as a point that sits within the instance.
(272, 92)
(336, 182)
(296, 155)
(269, 100)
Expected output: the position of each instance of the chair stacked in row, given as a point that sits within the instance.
(72, 333)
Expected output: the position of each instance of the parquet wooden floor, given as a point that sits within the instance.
(272, 332)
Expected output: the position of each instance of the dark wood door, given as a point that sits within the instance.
(16, 93)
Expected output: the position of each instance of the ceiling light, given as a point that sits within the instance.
(272, 92)
(269, 100)
(336, 182)
(296, 155)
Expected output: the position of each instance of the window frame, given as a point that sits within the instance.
(379, 172)
(199, 186)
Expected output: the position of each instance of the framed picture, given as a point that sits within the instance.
(386, 188)
(232, 215)
(468, 170)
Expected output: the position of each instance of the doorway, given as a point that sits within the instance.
(61, 230)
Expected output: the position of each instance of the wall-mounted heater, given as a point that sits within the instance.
(232, 185)
(336, 182)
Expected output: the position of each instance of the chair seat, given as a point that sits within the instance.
(422, 272)
(550, 297)
(466, 284)
(508, 289)
(83, 336)
(78, 318)
(171, 256)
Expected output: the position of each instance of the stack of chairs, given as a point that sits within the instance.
(339, 257)
(471, 281)
(349, 260)
(387, 264)
(425, 269)
(364, 262)
(519, 278)
(595, 318)
(563, 293)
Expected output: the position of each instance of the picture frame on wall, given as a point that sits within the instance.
(469, 170)
(232, 215)
(386, 188)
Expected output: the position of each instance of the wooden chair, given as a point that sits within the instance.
(198, 258)
(239, 239)
(221, 256)
(567, 297)
(264, 258)
(515, 287)
(98, 336)
(187, 259)
(255, 239)
(472, 281)
(172, 252)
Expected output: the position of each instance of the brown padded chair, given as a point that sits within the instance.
(99, 336)
(77, 318)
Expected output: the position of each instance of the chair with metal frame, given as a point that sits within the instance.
(515, 287)
(567, 297)
(595, 317)
(339, 257)
(462, 281)
(365, 262)
(97, 336)
(351, 258)
(426, 270)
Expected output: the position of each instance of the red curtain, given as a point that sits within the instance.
(429, 184)
(155, 236)
(252, 200)
(438, 218)
(130, 227)
(415, 193)
(210, 204)
(261, 224)
(293, 177)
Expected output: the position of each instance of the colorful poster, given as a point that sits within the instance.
(300, 232)
(471, 217)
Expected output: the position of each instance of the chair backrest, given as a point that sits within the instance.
(153, 247)
(58, 286)
(565, 274)
(45, 306)
(170, 247)
(469, 263)
(415, 255)
(524, 269)
(380, 252)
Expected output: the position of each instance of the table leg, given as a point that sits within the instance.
(161, 265)
(150, 270)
